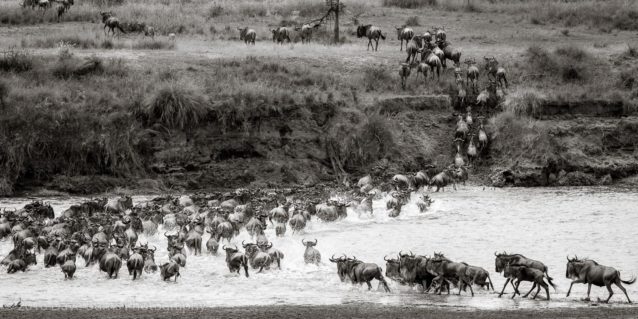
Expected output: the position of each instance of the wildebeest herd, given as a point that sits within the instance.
(106, 232)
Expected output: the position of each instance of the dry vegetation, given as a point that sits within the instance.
(79, 113)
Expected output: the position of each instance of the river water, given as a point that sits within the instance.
(467, 225)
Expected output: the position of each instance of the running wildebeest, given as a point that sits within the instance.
(587, 271)
(248, 35)
(280, 34)
(524, 273)
(168, 270)
(414, 46)
(371, 32)
(517, 259)
(472, 74)
(235, 260)
(311, 255)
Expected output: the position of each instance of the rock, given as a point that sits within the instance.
(577, 178)
(606, 180)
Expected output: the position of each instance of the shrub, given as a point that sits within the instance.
(376, 77)
(215, 11)
(410, 4)
(154, 44)
(16, 61)
(570, 63)
(412, 21)
(176, 106)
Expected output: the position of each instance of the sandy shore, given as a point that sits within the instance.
(310, 312)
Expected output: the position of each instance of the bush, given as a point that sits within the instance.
(176, 106)
(154, 44)
(412, 21)
(570, 63)
(377, 78)
(410, 4)
(16, 61)
(215, 11)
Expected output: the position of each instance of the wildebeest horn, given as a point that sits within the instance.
(243, 245)
(165, 234)
(224, 247)
(495, 254)
(154, 248)
(303, 241)
(385, 258)
(269, 246)
(332, 259)
(315, 241)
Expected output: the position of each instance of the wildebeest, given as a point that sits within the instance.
(587, 271)
(479, 276)
(360, 272)
(194, 237)
(413, 47)
(445, 269)
(331, 211)
(404, 33)
(274, 253)
(212, 245)
(168, 270)
(281, 34)
(311, 255)
(396, 202)
(68, 268)
(422, 68)
(433, 61)
(413, 270)
(111, 263)
(517, 259)
(149, 32)
(424, 202)
(248, 35)
(257, 258)
(235, 260)
(306, 32)
(149, 261)
(21, 263)
(404, 73)
(121, 203)
(472, 76)
(449, 52)
(297, 222)
(135, 263)
(442, 179)
(400, 182)
(524, 273)
(372, 33)
(110, 22)
(493, 70)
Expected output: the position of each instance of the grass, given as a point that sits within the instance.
(176, 106)
(16, 61)
(413, 21)
(410, 4)
(154, 44)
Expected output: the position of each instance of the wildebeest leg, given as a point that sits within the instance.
(611, 292)
(546, 290)
(369, 285)
(260, 269)
(176, 275)
(505, 285)
(577, 281)
(377, 46)
(516, 289)
(369, 44)
(533, 286)
(622, 288)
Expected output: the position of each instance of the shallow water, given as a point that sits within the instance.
(467, 225)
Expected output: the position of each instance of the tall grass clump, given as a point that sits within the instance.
(520, 139)
(377, 78)
(154, 44)
(525, 102)
(176, 106)
(413, 21)
(16, 61)
(568, 63)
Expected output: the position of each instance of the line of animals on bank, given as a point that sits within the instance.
(44, 5)
(105, 232)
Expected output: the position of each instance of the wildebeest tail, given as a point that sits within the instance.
(549, 279)
(381, 35)
(627, 282)
(244, 261)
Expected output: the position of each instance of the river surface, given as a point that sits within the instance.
(467, 225)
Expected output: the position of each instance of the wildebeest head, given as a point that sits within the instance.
(341, 266)
(500, 261)
(392, 267)
(573, 267)
(309, 243)
(230, 250)
(362, 29)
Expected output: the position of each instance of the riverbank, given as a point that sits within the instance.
(369, 311)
